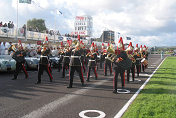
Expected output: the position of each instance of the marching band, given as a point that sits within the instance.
(75, 58)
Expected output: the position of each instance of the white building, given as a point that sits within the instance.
(83, 26)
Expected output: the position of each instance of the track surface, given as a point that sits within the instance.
(22, 98)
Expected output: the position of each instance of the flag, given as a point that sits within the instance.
(128, 38)
(25, 1)
(59, 12)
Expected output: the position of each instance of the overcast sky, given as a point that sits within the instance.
(149, 22)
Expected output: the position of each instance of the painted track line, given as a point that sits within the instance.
(50, 107)
(125, 107)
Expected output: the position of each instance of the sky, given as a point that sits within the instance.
(147, 22)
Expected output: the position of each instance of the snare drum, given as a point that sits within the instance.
(144, 62)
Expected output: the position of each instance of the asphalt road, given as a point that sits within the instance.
(23, 98)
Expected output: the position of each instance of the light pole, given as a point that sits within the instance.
(17, 22)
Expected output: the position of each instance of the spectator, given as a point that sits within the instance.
(51, 32)
(30, 28)
(1, 24)
(2, 48)
(12, 25)
(9, 24)
(24, 28)
(36, 29)
(5, 25)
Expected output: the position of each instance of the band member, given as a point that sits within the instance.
(107, 62)
(19, 57)
(44, 62)
(61, 56)
(83, 54)
(102, 57)
(92, 55)
(75, 65)
(144, 55)
(137, 56)
(66, 61)
(118, 69)
(130, 55)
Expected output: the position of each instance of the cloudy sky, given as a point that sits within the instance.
(149, 22)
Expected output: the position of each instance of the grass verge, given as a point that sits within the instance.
(158, 98)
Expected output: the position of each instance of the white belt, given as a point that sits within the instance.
(43, 56)
(106, 57)
(91, 60)
(66, 56)
(75, 56)
(138, 58)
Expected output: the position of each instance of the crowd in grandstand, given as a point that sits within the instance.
(9, 24)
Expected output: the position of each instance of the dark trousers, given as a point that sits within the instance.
(59, 67)
(116, 74)
(41, 69)
(83, 66)
(101, 64)
(71, 74)
(132, 70)
(19, 67)
(138, 67)
(88, 73)
(144, 67)
(105, 68)
(65, 66)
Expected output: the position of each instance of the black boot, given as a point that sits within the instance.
(38, 82)
(115, 91)
(69, 86)
(14, 78)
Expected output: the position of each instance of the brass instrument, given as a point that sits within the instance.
(111, 57)
(90, 54)
(111, 54)
(12, 48)
(130, 56)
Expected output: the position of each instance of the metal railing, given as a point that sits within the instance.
(12, 33)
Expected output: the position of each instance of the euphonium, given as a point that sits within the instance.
(111, 54)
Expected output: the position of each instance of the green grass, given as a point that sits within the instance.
(158, 98)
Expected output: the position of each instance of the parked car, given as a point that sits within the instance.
(32, 62)
(7, 63)
(54, 61)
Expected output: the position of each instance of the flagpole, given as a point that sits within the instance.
(17, 22)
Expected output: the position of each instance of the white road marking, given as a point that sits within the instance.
(82, 114)
(153, 65)
(125, 107)
(123, 91)
(46, 109)
(141, 74)
(150, 67)
(138, 80)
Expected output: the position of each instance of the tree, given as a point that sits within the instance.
(36, 24)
